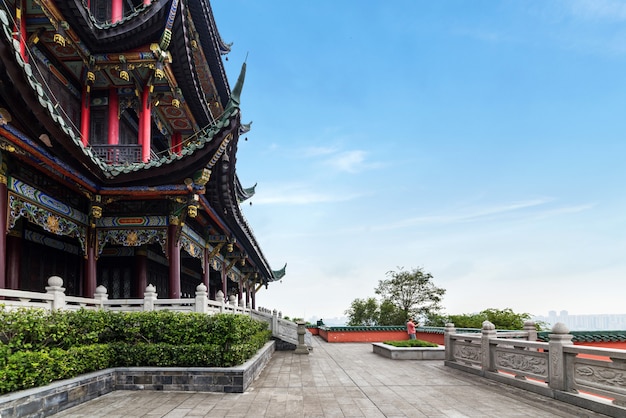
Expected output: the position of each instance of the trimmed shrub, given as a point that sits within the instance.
(411, 343)
(37, 347)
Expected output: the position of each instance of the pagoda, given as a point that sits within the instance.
(118, 140)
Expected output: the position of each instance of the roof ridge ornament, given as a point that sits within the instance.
(235, 95)
(166, 37)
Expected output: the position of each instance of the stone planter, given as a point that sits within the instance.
(409, 353)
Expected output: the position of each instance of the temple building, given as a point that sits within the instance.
(118, 140)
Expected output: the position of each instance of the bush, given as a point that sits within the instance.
(37, 347)
(411, 343)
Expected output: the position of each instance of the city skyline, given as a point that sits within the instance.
(479, 140)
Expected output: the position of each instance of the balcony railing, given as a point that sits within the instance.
(118, 154)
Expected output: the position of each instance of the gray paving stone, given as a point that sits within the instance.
(340, 380)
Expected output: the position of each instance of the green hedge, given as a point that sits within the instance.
(37, 347)
(410, 343)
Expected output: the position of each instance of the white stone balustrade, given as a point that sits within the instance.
(557, 368)
(56, 299)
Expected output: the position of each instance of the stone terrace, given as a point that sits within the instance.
(341, 380)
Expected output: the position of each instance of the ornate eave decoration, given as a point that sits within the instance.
(191, 242)
(48, 220)
(132, 237)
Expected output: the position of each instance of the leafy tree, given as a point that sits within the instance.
(390, 314)
(412, 293)
(501, 318)
(363, 312)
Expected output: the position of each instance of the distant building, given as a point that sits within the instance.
(600, 322)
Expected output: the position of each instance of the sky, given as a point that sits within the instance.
(481, 141)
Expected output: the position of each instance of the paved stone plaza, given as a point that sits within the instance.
(340, 380)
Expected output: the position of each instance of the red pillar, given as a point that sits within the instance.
(117, 10)
(85, 117)
(253, 295)
(247, 294)
(144, 124)
(206, 268)
(21, 28)
(90, 280)
(3, 228)
(141, 260)
(224, 281)
(174, 256)
(177, 142)
(114, 120)
(13, 260)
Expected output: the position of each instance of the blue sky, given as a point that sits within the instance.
(482, 141)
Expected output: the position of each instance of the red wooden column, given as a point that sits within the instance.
(20, 28)
(13, 259)
(117, 10)
(141, 266)
(224, 281)
(173, 249)
(247, 293)
(177, 142)
(85, 117)
(206, 268)
(3, 224)
(253, 295)
(90, 281)
(114, 120)
(144, 124)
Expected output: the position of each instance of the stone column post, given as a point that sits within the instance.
(488, 332)
(219, 297)
(55, 287)
(448, 341)
(202, 299)
(274, 322)
(529, 327)
(149, 297)
(301, 347)
(559, 338)
(101, 295)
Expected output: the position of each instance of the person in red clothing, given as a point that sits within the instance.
(410, 328)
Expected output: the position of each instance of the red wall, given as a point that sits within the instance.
(373, 336)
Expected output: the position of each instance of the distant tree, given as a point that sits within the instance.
(501, 318)
(412, 293)
(363, 312)
(390, 314)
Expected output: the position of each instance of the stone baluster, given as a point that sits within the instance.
(274, 322)
(488, 333)
(100, 296)
(448, 341)
(149, 297)
(559, 338)
(202, 299)
(529, 327)
(56, 289)
(219, 297)
(301, 348)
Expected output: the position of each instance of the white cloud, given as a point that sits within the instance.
(613, 10)
(298, 194)
(482, 214)
(350, 161)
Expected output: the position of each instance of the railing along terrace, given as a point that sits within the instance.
(589, 377)
(118, 153)
(55, 299)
